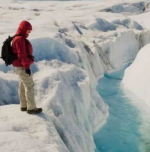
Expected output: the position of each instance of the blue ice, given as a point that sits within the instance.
(120, 133)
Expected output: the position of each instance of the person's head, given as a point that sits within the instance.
(24, 28)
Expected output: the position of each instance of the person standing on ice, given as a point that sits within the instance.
(23, 48)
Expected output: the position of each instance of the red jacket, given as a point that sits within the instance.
(20, 47)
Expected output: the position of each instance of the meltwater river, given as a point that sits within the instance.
(121, 132)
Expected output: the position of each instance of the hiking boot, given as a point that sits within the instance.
(23, 109)
(34, 111)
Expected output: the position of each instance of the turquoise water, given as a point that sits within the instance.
(120, 133)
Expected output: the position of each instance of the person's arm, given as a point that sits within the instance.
(22, 54)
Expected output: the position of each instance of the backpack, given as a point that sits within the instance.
(7, 52)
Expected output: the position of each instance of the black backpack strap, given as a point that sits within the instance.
(16, 35)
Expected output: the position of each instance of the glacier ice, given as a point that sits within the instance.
(72, 52)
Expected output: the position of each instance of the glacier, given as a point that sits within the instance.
(72, 52)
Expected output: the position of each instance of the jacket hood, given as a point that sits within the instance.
(23, 27)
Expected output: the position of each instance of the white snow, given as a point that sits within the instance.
(136, 77)
(74, 44)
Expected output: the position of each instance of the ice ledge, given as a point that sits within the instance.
(23, 132)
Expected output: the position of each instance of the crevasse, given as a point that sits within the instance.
(65, 83)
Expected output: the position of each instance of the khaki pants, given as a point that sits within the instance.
(26, 89)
